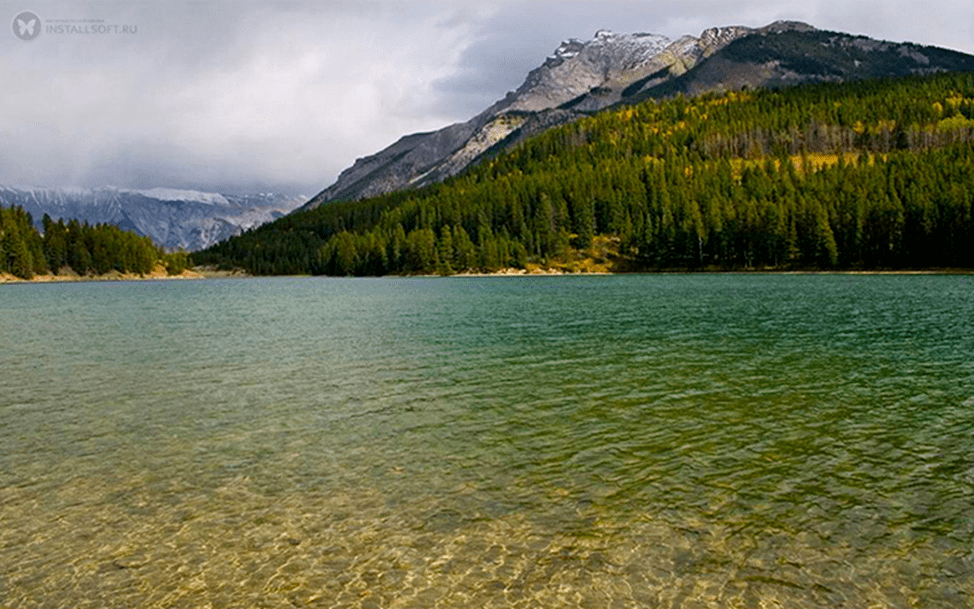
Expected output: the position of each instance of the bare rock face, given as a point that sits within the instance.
(576, 68)
(673, 60)
(585, 77)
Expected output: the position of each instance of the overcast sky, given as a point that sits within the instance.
(237, 95)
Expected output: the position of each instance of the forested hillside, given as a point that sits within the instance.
(85, 249)
(862, 175)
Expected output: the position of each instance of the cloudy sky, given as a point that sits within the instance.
(241, 95)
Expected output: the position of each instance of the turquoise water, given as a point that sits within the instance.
(619, 441)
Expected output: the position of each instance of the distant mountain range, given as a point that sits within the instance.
(174, 219)
(581, 78)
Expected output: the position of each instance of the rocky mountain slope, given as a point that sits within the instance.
(174, 219)
(585, 77)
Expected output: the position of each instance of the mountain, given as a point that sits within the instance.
(174, 219)
(582, 78)
(575, 69)
(859, 175)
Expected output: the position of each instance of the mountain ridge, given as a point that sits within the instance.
(581, 78)
(172, 218)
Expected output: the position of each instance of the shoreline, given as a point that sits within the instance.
(512, 272)
(157, 274)
(209, 273)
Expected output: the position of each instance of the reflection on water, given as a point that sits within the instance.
(651, 441)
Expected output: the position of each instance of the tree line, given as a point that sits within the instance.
(862, 175)
(86, 249)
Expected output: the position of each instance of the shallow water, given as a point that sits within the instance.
(625, 441)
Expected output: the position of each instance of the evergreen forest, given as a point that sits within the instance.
(87, 250)
(875, 174)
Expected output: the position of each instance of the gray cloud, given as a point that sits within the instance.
(239, 95)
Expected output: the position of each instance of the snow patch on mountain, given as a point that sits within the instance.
(172, 194)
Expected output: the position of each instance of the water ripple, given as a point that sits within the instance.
(670, 441)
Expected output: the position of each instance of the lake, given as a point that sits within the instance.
(598, 441)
